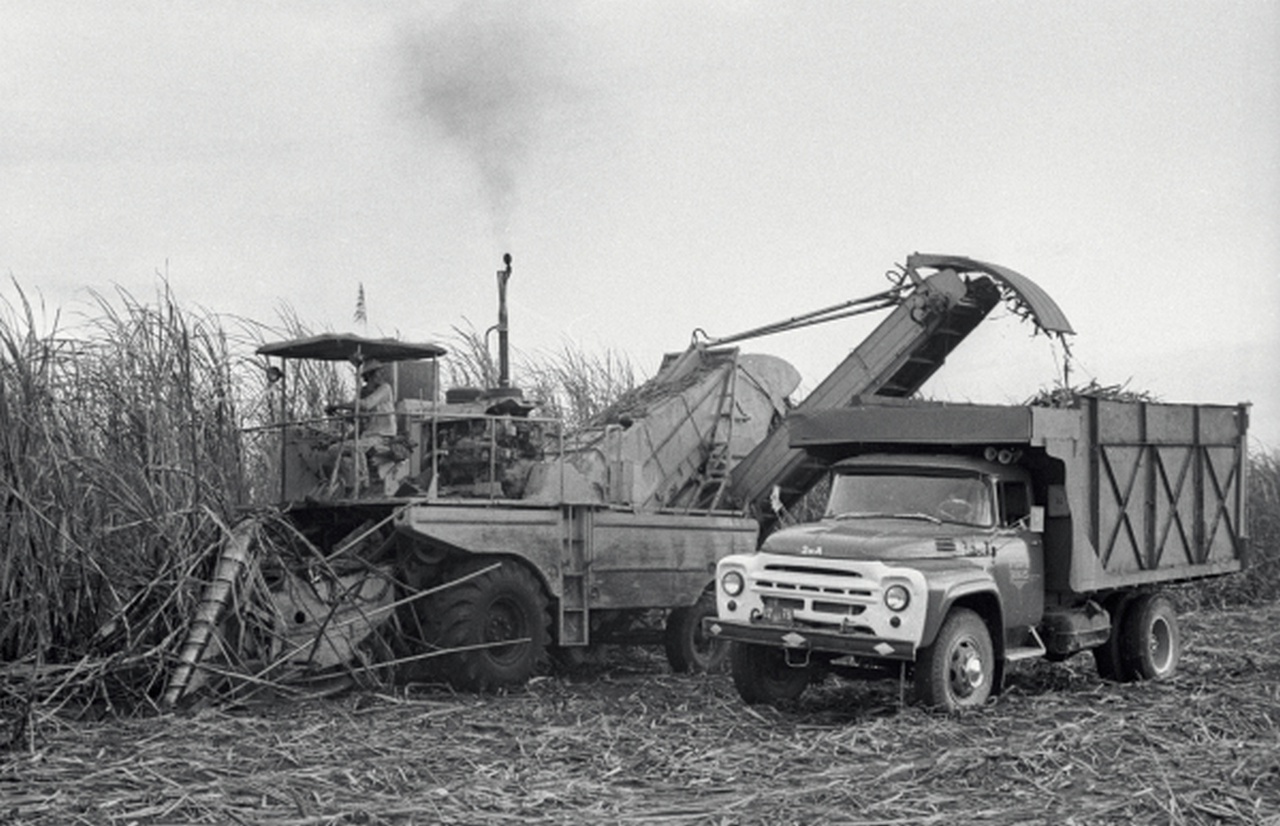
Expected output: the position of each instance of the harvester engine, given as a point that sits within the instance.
(482, 455)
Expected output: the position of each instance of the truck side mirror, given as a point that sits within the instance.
(775, 500)
(1036, 521)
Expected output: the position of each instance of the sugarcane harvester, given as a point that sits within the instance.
(507, 538)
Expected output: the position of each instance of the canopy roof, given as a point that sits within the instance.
(350, 347)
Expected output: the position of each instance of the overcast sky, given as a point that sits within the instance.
(656, 167)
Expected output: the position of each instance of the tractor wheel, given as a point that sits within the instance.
(499, 617)
(1107, 657)
(1151, 644)
(958, 670)
(689, 649)
(762, 675)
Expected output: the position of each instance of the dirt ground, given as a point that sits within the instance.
(629, 742)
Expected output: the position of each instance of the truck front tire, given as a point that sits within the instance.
(1151, 644)
(762, 675)
(689, 649)
(958, 670)
(506, 603)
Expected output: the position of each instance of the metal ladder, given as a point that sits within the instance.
(715, 472)
(573, 621)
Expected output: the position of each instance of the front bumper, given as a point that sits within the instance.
(803, 638)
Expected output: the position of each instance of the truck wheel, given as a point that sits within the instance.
(1151, 644)
(506, 603)
(1107, 657)
(957, 671)
(761, 674)
(689, 649)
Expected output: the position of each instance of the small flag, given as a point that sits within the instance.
(361, 316)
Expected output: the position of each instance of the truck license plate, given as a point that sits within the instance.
(778, 613)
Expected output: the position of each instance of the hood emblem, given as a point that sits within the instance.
(811, 550)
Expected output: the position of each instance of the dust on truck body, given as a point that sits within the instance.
(959, 538)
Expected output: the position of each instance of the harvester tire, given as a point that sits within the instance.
(689, 649)
(506, 603)
(762, 674)
(1151, 644)
(958, 670)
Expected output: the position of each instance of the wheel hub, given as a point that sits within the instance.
(503, 624)
(967, 673)
(1161, 646)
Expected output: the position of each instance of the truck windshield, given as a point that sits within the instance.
(864, 494)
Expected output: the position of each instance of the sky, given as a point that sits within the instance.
(655, 167)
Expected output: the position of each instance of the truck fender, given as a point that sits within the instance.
(980, 596)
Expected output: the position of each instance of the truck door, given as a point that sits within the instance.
(1018, 556)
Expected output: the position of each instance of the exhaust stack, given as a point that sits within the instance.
(504, 390)
(504, 357)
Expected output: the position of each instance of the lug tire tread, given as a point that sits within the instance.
(452, 623)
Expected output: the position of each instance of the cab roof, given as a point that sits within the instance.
(350, 347)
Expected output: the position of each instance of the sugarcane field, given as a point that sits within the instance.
(526, 412)
(171, 656)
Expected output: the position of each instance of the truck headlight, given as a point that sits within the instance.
(897, 597)
(732, 583)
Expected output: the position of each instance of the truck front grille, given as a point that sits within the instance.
(814, 580)
(813, 591)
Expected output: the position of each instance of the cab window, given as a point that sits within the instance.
(1015, 502)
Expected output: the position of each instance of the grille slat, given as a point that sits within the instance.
(808, 587)
(797, 587)
(838, 608)
(813, 570)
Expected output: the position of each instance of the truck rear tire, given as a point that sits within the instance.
(762, 675)
(1108, 657)
(958, 670)
(506, 603)
(689, 649)
(1151, 644)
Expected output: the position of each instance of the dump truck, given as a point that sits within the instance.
(493, 536)
(959, 538)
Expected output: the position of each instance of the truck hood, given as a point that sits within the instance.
(882, 539)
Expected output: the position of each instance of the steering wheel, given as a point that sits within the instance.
(956, 510)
